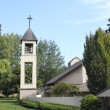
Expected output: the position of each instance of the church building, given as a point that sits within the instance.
(74, 74)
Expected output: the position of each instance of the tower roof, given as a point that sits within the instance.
(29, 36)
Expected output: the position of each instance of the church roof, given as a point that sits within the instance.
(67, 71)
(29, 36)
(104, 93)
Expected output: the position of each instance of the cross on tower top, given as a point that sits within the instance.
(29, 19)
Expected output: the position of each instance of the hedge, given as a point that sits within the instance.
(29, 104)
(51, 106)
(45, 106)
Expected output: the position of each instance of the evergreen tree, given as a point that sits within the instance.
(96, 60)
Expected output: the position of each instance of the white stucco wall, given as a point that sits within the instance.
(26, 57)
(75, 77)
(25, 93)
(22, 81)
(73, 101)
(28, 89)
(85, 78)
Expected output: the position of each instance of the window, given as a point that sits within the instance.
(28, 48)
(28, 72)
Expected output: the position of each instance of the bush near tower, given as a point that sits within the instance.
(90, 102)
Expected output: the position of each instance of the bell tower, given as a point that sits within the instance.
(28, 64)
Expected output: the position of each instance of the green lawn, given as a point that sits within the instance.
(11, 105)
(14, 105)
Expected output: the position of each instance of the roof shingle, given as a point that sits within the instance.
(29, 36)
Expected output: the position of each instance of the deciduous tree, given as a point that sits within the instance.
(9, 63)
(49, 59)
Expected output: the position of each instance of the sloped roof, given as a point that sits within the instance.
(55, 79)
(104, 93)
(29, 36)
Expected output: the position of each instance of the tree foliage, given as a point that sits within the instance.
(96, 60)
(9, 63)
(63, 89)
(49, 60)
(90, 102)
(4, 66)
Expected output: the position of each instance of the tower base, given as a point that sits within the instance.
(25, 93)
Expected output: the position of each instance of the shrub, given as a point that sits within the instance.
(64, 89)
(72, 89)
(45, 106)
(29, 104)
(90, 102)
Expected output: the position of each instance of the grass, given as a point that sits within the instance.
(11, 105)
(14, 105)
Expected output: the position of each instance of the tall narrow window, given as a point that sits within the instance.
(28, 48)
(28, 72)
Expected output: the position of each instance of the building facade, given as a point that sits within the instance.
(74, 74)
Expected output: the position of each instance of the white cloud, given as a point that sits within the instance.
(92, 2)
(96, 17)
(84, 21)
(98, 10)
(98, 4)
(105, 5)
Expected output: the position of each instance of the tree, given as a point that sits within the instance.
(15, 52)
(49, 60)
(96, 60)
(63, 89)
(4, 48)
(90, 102)
(4, 70)
(4, 66)
(9, 59)
(5, 84)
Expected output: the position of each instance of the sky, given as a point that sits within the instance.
(67, 22)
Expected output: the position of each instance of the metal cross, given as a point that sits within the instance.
(0, 29)
(29, 20)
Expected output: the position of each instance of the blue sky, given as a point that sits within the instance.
(65, 21)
